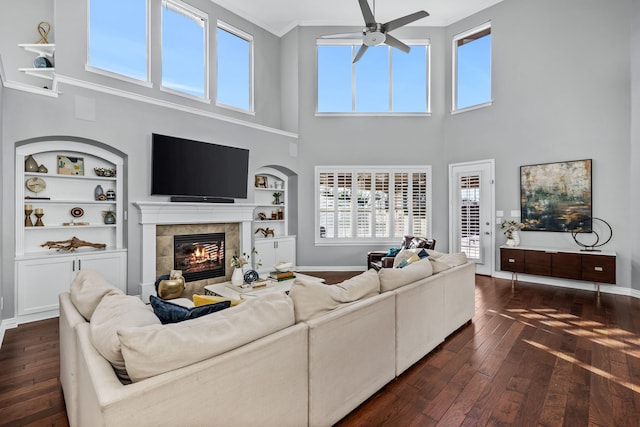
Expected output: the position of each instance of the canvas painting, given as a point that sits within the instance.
(70, 165)
(556, 196)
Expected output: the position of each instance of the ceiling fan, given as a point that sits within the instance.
(375, 33)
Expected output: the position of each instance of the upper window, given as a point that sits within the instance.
(363, 204)
(235, 68)
(384, 80)
(118, 37)
(472, 68)
(184, 48)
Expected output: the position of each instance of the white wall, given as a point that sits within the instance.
(634, 158)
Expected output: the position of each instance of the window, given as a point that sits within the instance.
(472, 68)
(235, 68)
(384, 80)
(184, 49)
(118, 38)
(364, 204)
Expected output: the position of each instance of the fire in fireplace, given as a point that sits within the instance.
(199, 256)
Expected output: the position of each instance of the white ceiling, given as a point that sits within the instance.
(280, 16)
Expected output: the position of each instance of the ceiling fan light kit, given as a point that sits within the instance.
(375, 33)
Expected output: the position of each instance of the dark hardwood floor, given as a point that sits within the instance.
(533, 356)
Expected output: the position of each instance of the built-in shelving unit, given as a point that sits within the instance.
(71, 206)
(272, 214)
(44, 50)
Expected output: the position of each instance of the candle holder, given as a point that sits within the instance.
(39, 214)
(27, 213)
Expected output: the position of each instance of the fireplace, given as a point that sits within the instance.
(199, 256)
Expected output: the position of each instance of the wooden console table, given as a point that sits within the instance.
(596, 267)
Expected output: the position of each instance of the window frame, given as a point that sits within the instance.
(249, 38)
(353, 240)
(112, 74)
(454, 68)
(205, 17)
(355, 45)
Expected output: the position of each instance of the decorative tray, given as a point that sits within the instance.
(259, 285)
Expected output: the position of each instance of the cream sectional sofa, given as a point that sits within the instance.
(307, 359)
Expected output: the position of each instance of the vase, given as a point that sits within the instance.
(237, 277)
(511, 242)
(515, 236)
(30, 164)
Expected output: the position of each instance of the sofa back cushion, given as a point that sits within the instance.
(441, 261)
(312, 298)
(154, 349)
(113, 313)
(393, 278)
(87, 290)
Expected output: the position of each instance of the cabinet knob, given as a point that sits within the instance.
(512, 260)
(598, 268)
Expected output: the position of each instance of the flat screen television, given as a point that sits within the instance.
(196, 171)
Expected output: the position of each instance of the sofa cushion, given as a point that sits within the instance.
(154, 349)
(393, 278)
(441, 262)
(87, 290)
(113, 313)
(312, 298)
(168, 312)
(408, 254)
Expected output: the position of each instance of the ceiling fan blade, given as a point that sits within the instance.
(394, 42)
(397, 23)
(343, 36)
(369, 19)
(361, 52)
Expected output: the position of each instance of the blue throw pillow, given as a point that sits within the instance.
(169, 312)
(393, 252)
(423, 253)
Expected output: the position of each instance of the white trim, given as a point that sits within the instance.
(175, 92)
(167, 104)
(454, 68)
(24, 87)
(117, 76)
(5, 325)
(236, 109)
(360, 114)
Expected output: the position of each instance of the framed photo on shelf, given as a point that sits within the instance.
(68, 165)
(261, 181)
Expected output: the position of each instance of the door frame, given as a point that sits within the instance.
(492, 205)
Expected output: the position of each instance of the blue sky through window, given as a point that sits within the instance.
(183, 54)
(234, 70)
(474, 72)
(118, 36)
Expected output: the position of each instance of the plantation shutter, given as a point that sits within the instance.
(363, 205)
(326, 205)
(344, 182)
(419, 198)
(400, 204)
(470, 215)
(382, 215)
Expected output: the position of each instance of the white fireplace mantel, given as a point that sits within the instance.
(163, 213)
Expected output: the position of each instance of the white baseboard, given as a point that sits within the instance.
(572, 284)
(7, 324)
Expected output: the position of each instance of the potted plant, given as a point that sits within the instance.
(276, 197)
(511, 231)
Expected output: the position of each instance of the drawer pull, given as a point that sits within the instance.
(512, 260)
(598, 268)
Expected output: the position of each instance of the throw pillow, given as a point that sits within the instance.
(405, 254)
(312, 298)
(87, 290)
(154, 349)
(408, 261)
(115, 312)
(393, 252)
(200, 300)
(168, 312)
(393, 278)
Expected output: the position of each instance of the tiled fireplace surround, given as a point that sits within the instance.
(160, 221)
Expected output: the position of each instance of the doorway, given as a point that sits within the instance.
(471, 217)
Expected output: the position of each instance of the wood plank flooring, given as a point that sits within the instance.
(533, 356)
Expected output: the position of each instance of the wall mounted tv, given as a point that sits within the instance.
(194, 171)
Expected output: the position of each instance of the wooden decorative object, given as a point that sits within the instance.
(266, 231)
(71, 244)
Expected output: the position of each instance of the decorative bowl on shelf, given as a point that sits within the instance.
(106, 172)
(283, 266)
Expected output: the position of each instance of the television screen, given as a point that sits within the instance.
(182, 167)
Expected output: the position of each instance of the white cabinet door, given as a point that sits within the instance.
(40, 281)
(273, 251)
(111, 266)
(285, 250)
(266, 255)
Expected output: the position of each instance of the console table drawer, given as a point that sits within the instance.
(512, 260)
(599, 268)
(537, 262)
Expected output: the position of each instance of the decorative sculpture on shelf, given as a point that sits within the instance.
(592, 248)
(43, 31)
(71, 244)
(266, 232)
